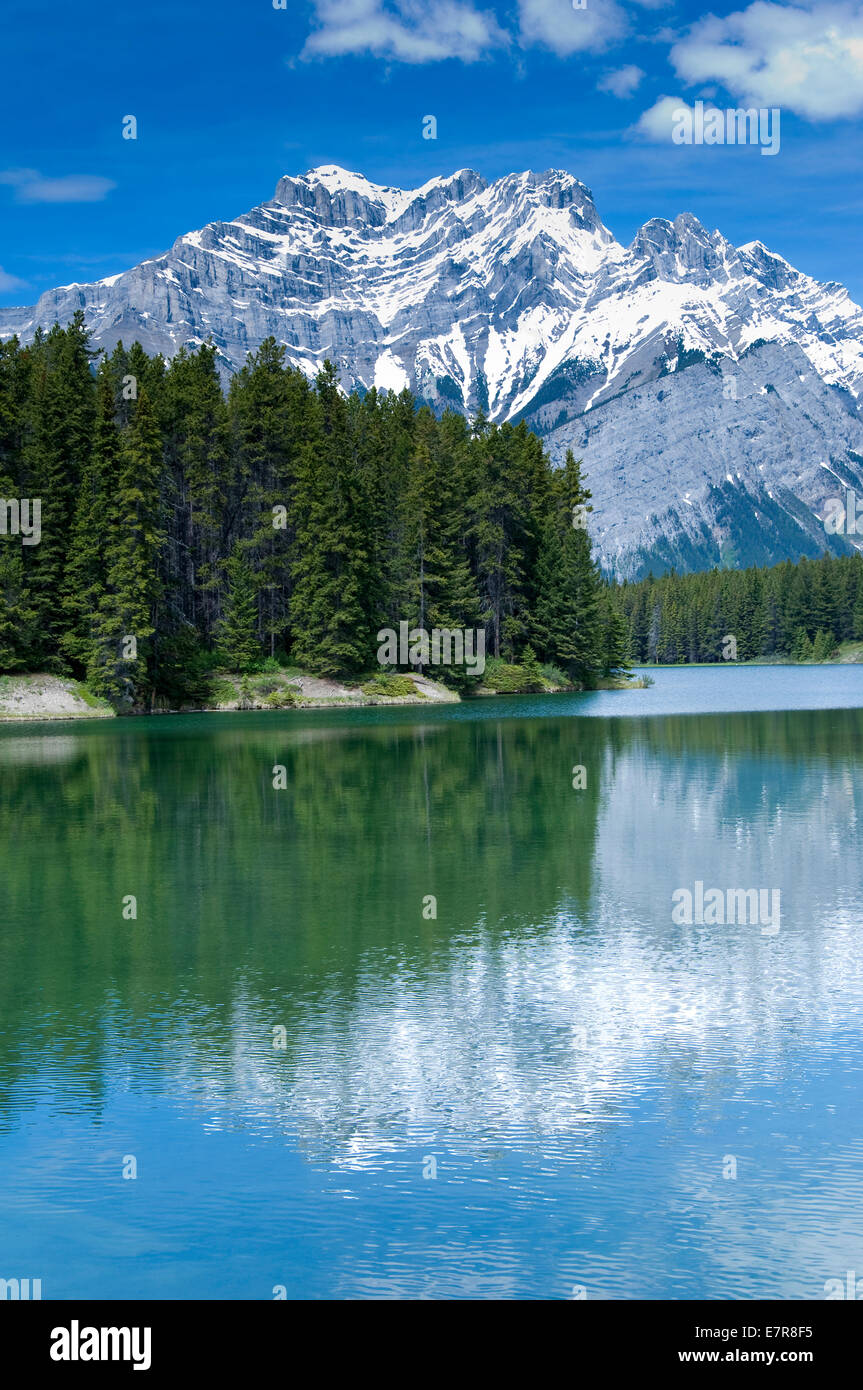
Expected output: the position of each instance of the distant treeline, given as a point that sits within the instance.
(800, 611)
(281, 520)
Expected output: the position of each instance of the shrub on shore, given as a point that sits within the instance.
(393, 685)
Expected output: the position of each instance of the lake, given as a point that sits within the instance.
(417, 1021)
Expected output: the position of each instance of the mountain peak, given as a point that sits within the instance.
(351, 196)
(334, 179)
(509, 294)
(337, 179)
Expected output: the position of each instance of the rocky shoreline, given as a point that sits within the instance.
(40, 697)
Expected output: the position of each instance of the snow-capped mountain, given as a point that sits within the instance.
(513, 297)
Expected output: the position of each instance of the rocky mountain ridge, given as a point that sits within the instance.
(512, 297)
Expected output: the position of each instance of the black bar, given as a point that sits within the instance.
(230, 1338)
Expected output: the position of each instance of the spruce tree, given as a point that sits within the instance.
(331, 603)
(61, 410)
(17, 615)
(505, 536)
(15, 369)
(823, 646)
(198, 457)
(532, 672)
(614, 637)
(438, 589)
(84, 580)
(857, 619)
(269, 410)
(566, 624)
(127, 614)
(801, 647)
(236, 631)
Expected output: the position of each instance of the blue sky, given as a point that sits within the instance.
(231, 94)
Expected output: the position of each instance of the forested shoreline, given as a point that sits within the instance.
(281, 523)
(791, 611)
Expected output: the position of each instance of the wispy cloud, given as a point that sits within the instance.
(622, 82)
(32, 187)
(428, 31)
(10, 282)
(410, 31)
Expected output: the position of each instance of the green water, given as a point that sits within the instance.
(330, 1083)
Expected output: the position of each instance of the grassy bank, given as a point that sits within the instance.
(531, 678)
(294, 689)
(39, 696)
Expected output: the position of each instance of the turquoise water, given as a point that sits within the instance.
(547, 1086)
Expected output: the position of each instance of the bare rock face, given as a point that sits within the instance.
(513, 298)
(723, 462)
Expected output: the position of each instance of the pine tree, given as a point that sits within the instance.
(531, 670)
(771, 623)
(15, 369)
(858, 614)
(127, 614)
(17, 614)
(504, 535)
(638, 624)
(672, 645)
(61, 410)
(566, 625)
(331, 604)
(438, 590)
(383, 429)
(270, 407)
(198, 456)
(801, 647)
(85, 575)
(823, 595)
(823, 646)
(796, 602)
(237, 629)
(614, 640)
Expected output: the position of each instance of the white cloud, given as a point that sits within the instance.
(427, 31)
(31, 187)
(622, 82)
(807, 57)
(10, 282)
(656, 123)
(555, 24)
(18, 176)
(410, 31)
